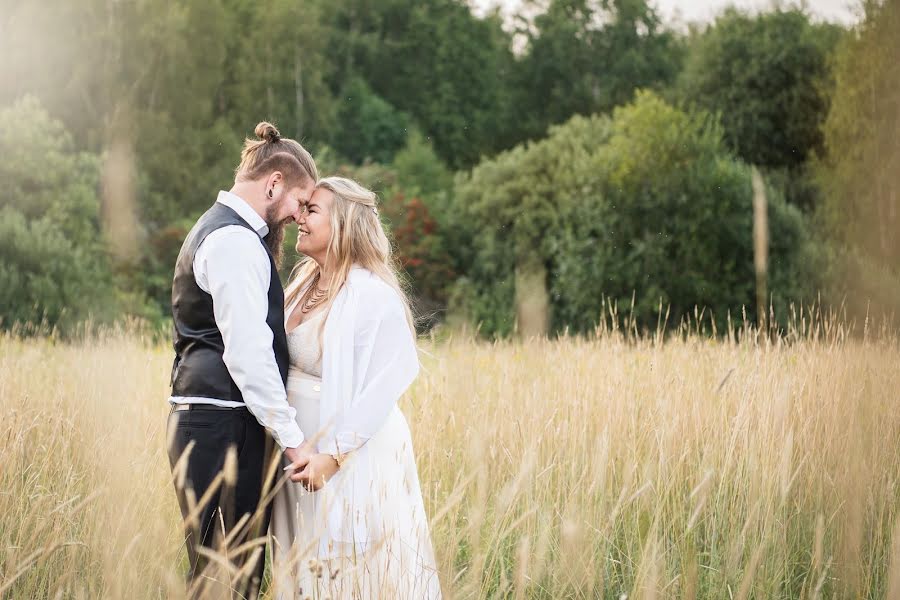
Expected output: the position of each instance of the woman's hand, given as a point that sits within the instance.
(317, 472)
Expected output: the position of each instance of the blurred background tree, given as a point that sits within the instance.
(768, 79)
(585, 57)
(859, 167)
(54, 269)
(518, 161)
(648, 204)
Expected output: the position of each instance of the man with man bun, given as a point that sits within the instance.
(228, 399)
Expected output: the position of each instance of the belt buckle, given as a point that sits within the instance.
(181, 407)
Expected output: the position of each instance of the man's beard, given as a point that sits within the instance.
(275, 238)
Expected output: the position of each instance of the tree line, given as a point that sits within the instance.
(590, 154)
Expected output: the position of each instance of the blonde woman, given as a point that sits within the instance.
(351, 523)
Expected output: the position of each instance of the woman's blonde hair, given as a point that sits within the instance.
(256, 152)
(357, 238)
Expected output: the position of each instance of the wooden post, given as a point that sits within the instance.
(760, 246)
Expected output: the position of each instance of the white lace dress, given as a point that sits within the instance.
(309, 561)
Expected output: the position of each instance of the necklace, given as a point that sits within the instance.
(314, 298)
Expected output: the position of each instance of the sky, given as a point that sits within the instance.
(686, 11)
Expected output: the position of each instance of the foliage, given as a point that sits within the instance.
(588, 56)
(437, 62)
(402, 93)
(371, 129)
(415, 214)
(424, 178)
(647, 205)
(858, 171)
(766, 76)
(421, 253)
(54, 268)
(421, 171)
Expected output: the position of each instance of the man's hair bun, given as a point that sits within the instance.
(268, 132)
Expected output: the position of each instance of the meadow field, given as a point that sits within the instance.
(601, 467)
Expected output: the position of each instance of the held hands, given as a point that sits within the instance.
(309, 467)
(299, 457)
(318, 470)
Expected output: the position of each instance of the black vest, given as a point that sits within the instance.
(199, 369)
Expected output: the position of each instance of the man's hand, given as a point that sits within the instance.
(299, 457)
(319, 469)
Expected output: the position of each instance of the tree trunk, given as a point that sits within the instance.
(270, 93)
(760, 246)
(532, 300)
(298, 91)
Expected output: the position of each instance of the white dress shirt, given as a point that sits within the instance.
(233, 267)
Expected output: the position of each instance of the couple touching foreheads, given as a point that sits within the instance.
(313, 371)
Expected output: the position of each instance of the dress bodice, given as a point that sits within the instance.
(305, 348)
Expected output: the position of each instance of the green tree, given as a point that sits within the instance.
(173, 88)
(416, 218)
(648, 204)
(370, 128)
(54, 268)
(766, 76)
(421, 252)
(858, 170)
(423, 176)
(588, 56)
(421, 172)
(435, 61)
(278, 66)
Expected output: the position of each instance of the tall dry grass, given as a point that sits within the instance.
(583, 468)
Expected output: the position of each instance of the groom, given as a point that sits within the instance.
(230, 365)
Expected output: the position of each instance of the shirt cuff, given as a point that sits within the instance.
(288, 436)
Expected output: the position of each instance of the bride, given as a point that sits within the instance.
(351, 523)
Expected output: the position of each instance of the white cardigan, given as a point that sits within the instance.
(369, 359)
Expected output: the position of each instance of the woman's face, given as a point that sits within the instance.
(315, 225)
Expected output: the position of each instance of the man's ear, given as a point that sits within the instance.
(273, 180)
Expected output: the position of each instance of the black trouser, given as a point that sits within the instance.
(235, 494)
